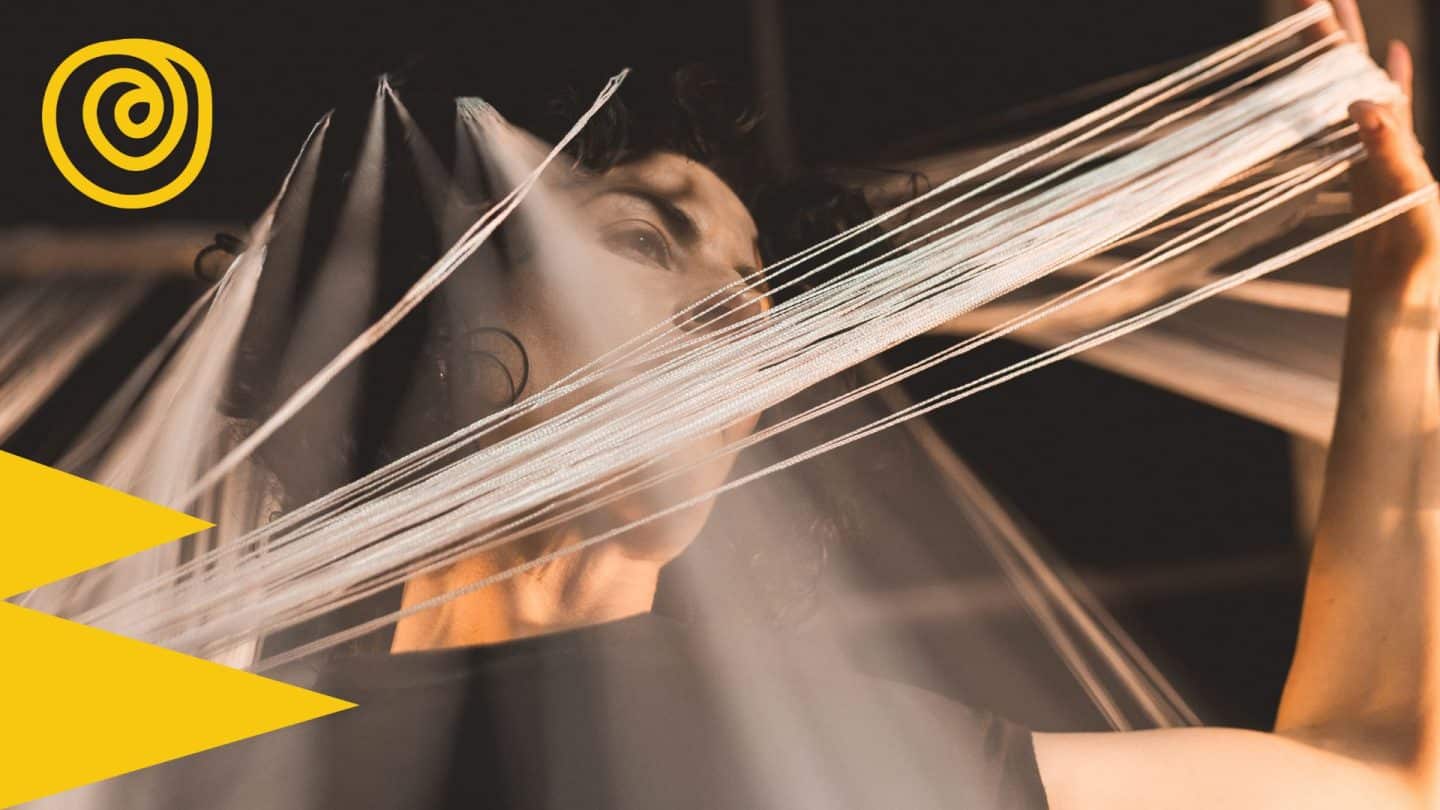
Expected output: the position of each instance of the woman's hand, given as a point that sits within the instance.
(1402, 255)
(1407, 248)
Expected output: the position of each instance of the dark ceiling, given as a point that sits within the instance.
(861, 77)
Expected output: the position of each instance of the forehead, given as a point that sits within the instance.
(714, 207)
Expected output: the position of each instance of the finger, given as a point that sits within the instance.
(1401, 68)
(1348, 14)
(1393, 160)
(1327, 26)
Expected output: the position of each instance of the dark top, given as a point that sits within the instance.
(637, 714)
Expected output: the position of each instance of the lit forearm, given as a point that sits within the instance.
(1365, 668)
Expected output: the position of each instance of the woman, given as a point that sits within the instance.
(558, 688)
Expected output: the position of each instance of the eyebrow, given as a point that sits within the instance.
(680, 223)
(676, 220)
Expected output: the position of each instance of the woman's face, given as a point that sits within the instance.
(654, 237)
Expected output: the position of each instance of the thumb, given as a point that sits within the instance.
(1394, 166)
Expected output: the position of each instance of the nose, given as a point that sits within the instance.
(717, 310)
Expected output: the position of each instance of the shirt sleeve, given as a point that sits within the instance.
(971, 757)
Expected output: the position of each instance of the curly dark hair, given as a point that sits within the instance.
(696, 114)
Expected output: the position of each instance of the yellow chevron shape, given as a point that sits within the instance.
(78, 704)
(57, 524)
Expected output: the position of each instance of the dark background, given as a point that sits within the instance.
(1117, 475)
(861, 77)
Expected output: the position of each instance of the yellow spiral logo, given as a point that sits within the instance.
(140, 107)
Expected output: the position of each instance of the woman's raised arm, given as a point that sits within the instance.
(1358, 721)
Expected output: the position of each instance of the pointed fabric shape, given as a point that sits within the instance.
(82, 704)
(53, 525)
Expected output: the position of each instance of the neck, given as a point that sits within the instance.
(599, 584)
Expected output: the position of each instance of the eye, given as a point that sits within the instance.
(639, 240)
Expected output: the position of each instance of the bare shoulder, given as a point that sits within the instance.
(1208, 768)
